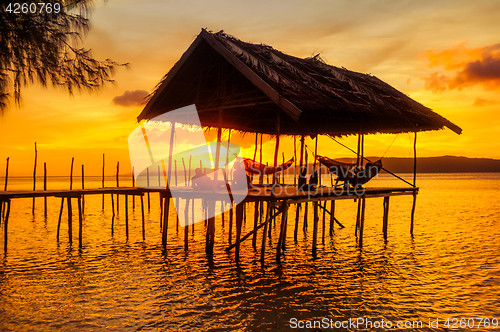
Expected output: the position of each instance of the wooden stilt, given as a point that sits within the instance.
(362, 221)
(133, 186)
(102, 185)
(332, 215)
(271, 218)
(71, 174)
(266, 225)
(192, 215)
(306, 205)
(83, 187)
(161, 209)
(230, 235)
(45, 188)
(358, 216)
(255, 222)
(117, 185)
(126, 215)
(113, 217)
(413, 211)
(324, 223)
(284, 216)
(80, 222)
(186, 224)
(147, 182)
(188, 180)
(282, 230)
(386, 217)
(34, 180)
(222, 214)
(239, 223)
(315, 229)
(6, 226)
(70, 220)
(166, 206)
(143, 221)
(297, 215)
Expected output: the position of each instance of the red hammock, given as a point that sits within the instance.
(254, 167)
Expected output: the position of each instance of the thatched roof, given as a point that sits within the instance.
(253, 83)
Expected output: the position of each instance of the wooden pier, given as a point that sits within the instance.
(276, 199)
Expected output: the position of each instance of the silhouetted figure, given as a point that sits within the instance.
(240, 175)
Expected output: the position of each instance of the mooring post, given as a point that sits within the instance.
(315, 229)
(143, 221)
(255, 221)
(332, 216)
(80, 221)
(239, 223)
(45, 189)
(413, 211)
(70, 220)
(386, 217)
(113, 217)
(266, 225)
(60, 217)
(297, 215)
(186, 224)
(362, 221)
(126, 215)
(6, 226)
(34, 180)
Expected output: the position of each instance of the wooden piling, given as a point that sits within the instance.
(362, 221)
(230, 235)
(80, 221)
(143, 221)
(282, 234)
(413, 211)
(71, 174)
(6, 174)
(102, 186)
(133, 186)
(117, 185)
(266, 225)
(324, 223)
(239, 223)
(186, 225)
(297, 216)
(83, 187)
(34, 180)
(332, 215)
(166, 208)
(315, 229)
(113, 217)
(386, 217)
(255, 222)
(60, 217)
(70, 220)
(6, 226)
(126, 215)
(149, 200)
(306, 206)
(45, 188)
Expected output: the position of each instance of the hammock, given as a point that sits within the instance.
(348, 173)
(254, 167)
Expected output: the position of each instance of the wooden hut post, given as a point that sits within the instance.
(414, 182)
(282, 235)
(6, 174)
(295, 160)
(113, 216)
(166, 205)
(45, 189)
(133, 186)
(60, 217)
(332, 216)
(189, 170)
(211, 220)
(143, 221)
(239, 222)
(186, 224)
(177, 198)
(80, 221)
(324, 223)
(362, 220)
(83, 187)
(276, 149)
(34, 180)
(386, 216)
(315, 229)
(6, 226)
(256, 212)
(147, 182)
(70, 220)
(102, 185)
(71, 174)
(117, 185)
(126, 215)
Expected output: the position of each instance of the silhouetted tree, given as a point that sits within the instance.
(45, 47)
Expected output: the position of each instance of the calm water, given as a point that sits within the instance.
(450, 268)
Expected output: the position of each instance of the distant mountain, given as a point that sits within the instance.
(444, 164)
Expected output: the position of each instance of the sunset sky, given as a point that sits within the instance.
(444, 54)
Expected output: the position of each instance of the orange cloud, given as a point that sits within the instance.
(131, 98)
(471, 66)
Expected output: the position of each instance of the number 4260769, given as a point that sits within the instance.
(33, 8)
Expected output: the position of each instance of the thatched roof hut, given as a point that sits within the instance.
(253, 83)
